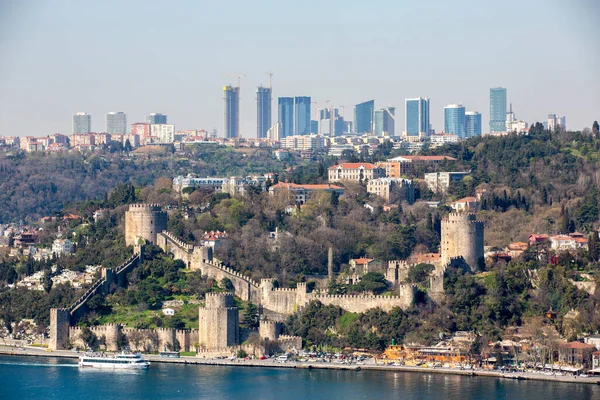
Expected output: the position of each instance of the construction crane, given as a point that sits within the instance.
(270, 80)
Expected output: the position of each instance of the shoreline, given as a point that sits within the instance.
(33, 352)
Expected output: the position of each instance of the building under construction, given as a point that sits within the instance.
(232, 111)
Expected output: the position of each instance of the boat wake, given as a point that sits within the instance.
(26, 364)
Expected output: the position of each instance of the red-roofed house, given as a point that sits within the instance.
(538, 238)
(214, 239)
(576, 354)
(362, 265)
(465, 204)
(564, 242)
(515, 249)
(400, 166)
(303, 193)
(355, 172)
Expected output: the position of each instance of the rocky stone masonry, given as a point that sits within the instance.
(146, 340)
(462, 236)
(218, 322)
(144, 221)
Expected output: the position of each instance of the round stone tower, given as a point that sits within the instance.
(143, 222)
(462, 238)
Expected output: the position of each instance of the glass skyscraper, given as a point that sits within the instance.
(156, 118)
(384, 121)
(263, 111)
(454, 120)
(82, 123)
(232, 111)
(116, 123)
(285, 107)
(472, 124)
(302, 114)
(364, 114)
(417, 116)
(497, 109)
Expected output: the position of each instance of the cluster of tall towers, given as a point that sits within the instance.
(294, 116)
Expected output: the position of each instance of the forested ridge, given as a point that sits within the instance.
(36, 184)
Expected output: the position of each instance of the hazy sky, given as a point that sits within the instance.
(60, 57)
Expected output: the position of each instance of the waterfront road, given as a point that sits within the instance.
(272, 363)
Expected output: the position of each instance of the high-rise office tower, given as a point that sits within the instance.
(472, 124)
(364, 113)
(556, 123)
(116, 123)
(327, 120)
(302, 115)
(454, 120)
(156, 118)
(314, 126)
(497, 109)
(82, 123)
(384, 121)
(232, 111)
(285, 106)
(417, 116)
(263, 111)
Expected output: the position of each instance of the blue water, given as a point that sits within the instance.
(41, 378)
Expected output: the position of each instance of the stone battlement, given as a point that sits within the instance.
(219, 300)
(145, 206)
(180, 243)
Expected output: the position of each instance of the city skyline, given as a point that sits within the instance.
(189, 92)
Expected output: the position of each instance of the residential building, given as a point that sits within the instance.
(82, 123)
(417, 116)
(304, 142)
(116, 122)
(514, 125)
(441, 139)
(274, 132)
(214, 239)
(303, 193)
(538, 238)
(156, 118)
(141, 129)
(400, 166)
(355, 172)
(576, 354)
(364, 114)
(472, 124)
(363, 266)
(164, 132)
(556, 123)
(385, 121)
(465, 204)
(62, 247)
(497, 109)
(454, 120)
(263, 111)
(302, 115)
(82, 140)
(232, 111)
(285, 107)
(570, 242)
(190, 181)
(392, 189)
(440, 181)
(515, 249)
(240, 185)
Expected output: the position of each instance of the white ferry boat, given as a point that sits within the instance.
(118, 361)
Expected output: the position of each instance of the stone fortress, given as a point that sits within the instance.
(462, 245)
